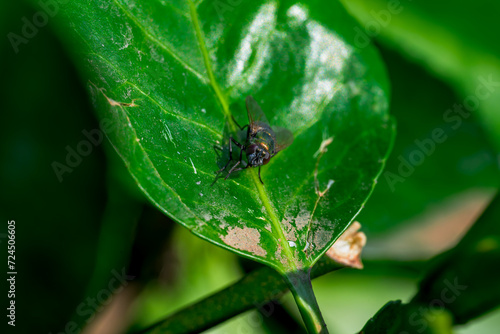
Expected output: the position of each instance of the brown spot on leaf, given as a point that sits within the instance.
(113, 102)
(321, 237)
(302, 219)
(289, 229)
(245, 238)
(279, 256)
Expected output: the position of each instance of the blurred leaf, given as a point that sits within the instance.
(118, 224)
(254, 290)
(386, 319)
(168, 77)
(465, 280)
(465, 160)
(460, 47)
(460, 286)
(191, 269)
(44, 110)
(398, 318)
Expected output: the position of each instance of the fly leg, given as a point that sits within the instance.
(230, 156)
(231, 139)
(241, 127)
(259, 177)
(242, 148)
(242, 168)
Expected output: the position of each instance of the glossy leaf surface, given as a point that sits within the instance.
(166, 77)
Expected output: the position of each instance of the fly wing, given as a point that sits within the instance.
(284, 138)
(255, 115)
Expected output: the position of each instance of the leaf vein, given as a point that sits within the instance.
(127, 82)
(161, 44)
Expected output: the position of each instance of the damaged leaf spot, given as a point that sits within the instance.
(246, 239)
(320, 238)
(289, 230)
(113, 102)
(188, 99)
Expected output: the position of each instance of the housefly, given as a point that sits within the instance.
(262, 142)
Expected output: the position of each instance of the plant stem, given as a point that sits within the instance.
(299, 283)
(256, 288)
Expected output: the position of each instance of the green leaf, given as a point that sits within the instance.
(460, 285)
(457, 41)
(397, 318)
(168, 76)
(465, 279)
(465, 161)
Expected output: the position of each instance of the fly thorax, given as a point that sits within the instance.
(266, 140)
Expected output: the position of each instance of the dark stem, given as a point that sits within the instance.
(300, 285)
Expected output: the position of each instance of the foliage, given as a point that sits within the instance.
(168, 77)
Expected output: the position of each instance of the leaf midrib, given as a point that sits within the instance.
(225, 106)
(206, 59)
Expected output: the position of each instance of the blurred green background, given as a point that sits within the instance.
(73, 236)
